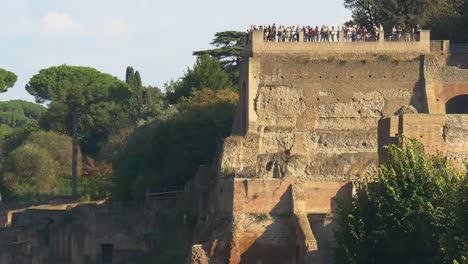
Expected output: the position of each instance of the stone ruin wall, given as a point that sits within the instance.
(316, 119)
(307, 125)
(439, 133)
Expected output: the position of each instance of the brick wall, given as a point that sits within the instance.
(446, 134)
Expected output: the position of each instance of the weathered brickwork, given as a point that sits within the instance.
(312, 118)
(439, 133)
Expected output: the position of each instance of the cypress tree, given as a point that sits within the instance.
(137, 80)
(130, 76)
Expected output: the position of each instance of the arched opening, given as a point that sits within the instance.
(457, 105)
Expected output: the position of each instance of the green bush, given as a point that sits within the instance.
(58, 146)
(31, 172)
(36, 164)
(413, 212)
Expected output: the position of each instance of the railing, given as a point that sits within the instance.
(336, 36)
(408, 37)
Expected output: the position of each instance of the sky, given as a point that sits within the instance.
(156, 37)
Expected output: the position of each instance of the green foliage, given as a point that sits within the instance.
(443, 17)
(229, 46)
(17, 113)
(413, 212)
(130, 75)
(31, 172)
(96, 183)
(96, 100)
(447, 21)
(84, 101)
(206, 73)
(7, 80)
(147, 103)
(76, 87)
(22, 174)
(262, 217)
(5, 131)
(166, 153)
(137, 80)
(58, 146)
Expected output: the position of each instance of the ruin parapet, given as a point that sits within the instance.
(257, 45)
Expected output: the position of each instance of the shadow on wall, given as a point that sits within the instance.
(418, 99)
(344, 193)
(270, 241)
(323, 227)
(213, 237)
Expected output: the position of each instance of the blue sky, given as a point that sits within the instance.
(155, 37)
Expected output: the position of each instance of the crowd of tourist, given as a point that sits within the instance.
(355, 33)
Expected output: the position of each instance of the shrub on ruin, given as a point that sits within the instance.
(413, 212)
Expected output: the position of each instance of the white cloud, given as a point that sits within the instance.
(116, 29)
(59, 23)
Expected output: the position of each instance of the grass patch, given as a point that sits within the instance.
(331, 58)
(262, 217)
(384, 58)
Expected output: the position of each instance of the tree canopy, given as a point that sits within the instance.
(17, 113)
(228, 50)
(206, 73)
(7, 80)
(443, 17)
(147, 102)
(81, 99)
(413, 212)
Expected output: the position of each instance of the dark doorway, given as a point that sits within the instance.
(107, 251)
(457, 105)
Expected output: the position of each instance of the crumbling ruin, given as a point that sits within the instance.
(307, 125)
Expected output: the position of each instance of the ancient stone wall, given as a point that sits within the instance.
(443, 83)
(445, 134)
(308, 124)
(317, 119)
